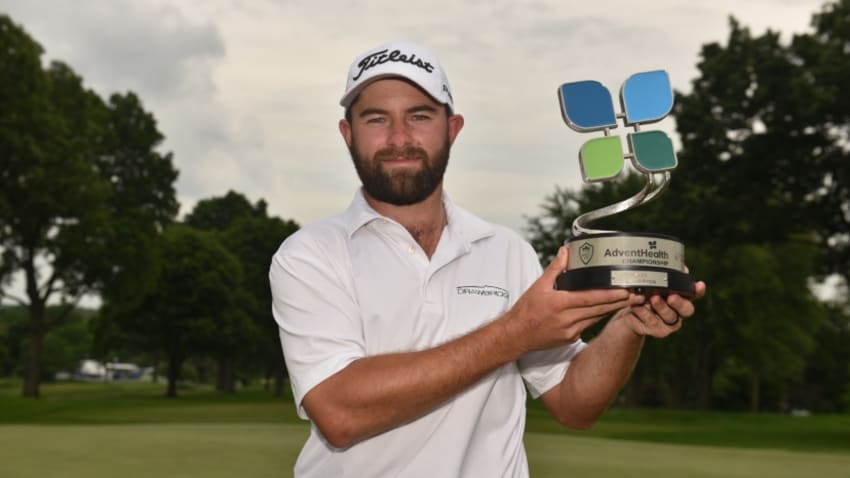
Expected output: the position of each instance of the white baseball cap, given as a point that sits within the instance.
(416, 63)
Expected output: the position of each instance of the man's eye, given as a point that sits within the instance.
(375, 120)
(421, 117)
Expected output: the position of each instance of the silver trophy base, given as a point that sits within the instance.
(647, 264)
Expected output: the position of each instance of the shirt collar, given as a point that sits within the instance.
(469, 226)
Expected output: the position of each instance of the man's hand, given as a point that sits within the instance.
(658, 317)
(544, 317)
(599, 371)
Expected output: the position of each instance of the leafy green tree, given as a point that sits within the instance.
(252, 236)
(754, 198)
(826, 381)
(548, 231)
(195, 305)
(769, 317)
(767, 122)
(824, 58)
(764, 163)
(83, 189)
(254, 241)
(218, 213)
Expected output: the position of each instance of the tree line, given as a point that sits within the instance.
(88, 206)
(761, 199)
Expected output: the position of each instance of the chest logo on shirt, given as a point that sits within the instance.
(482, 290)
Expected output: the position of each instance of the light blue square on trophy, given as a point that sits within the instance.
(647, 97)
(587, 106)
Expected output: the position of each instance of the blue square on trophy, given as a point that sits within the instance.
(587, 106)
(646, 97)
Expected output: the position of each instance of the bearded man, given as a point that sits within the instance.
(412, 329)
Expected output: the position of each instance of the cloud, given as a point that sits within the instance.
(126, 45)
(246, 91)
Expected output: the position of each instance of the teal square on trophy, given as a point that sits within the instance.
(653, 151)
(601, 158)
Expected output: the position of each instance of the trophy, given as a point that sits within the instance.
(643, 262)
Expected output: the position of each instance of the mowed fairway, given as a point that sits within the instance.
(256, 450)
(148, 450)
(563, 456)
(105, 430)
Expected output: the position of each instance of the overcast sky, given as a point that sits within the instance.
(246, 92)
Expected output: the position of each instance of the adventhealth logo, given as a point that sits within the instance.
(645, 98)
(654, 254)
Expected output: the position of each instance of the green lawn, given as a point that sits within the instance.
(130, 430)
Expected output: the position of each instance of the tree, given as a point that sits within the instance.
(825, 60)
(548, 231)
(770, 123)
(195, 306)
(217, 213)
(83, 189)
(249, 233)
(753, 198)
(826, 381)
(764, 162)
(254, 241)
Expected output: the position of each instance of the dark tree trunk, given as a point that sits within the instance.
(279, 379)
(37, 331)
(704, 377)
(755, 391)
(174, 364)
(226, 381)
(32, 375)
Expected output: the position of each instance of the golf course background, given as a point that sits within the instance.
(130, 430)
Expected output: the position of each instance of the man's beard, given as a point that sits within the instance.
(403, 186)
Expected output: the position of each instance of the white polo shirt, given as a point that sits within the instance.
(357, 285)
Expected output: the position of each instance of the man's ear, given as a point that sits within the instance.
(455, 125)
(345, 130)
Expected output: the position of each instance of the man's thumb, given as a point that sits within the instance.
(558, 265)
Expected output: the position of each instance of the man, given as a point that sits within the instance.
(411, 328)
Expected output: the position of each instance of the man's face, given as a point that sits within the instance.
(399, 139)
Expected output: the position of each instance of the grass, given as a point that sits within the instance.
(131, 430)
(139, 403)
(825, 433)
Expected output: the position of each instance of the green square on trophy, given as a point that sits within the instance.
(601, 158)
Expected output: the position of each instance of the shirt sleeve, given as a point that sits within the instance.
(316, 312)
(543, 369)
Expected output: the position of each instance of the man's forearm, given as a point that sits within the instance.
(596, 375)
(377, 393)
(374, 394)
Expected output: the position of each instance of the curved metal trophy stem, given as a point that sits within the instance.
(654, 186)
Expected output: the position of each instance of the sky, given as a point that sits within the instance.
(247, 93)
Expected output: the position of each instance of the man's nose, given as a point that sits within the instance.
(400, 133)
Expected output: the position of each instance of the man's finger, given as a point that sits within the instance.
(558, 265)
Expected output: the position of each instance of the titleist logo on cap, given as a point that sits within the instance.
(381, 57)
